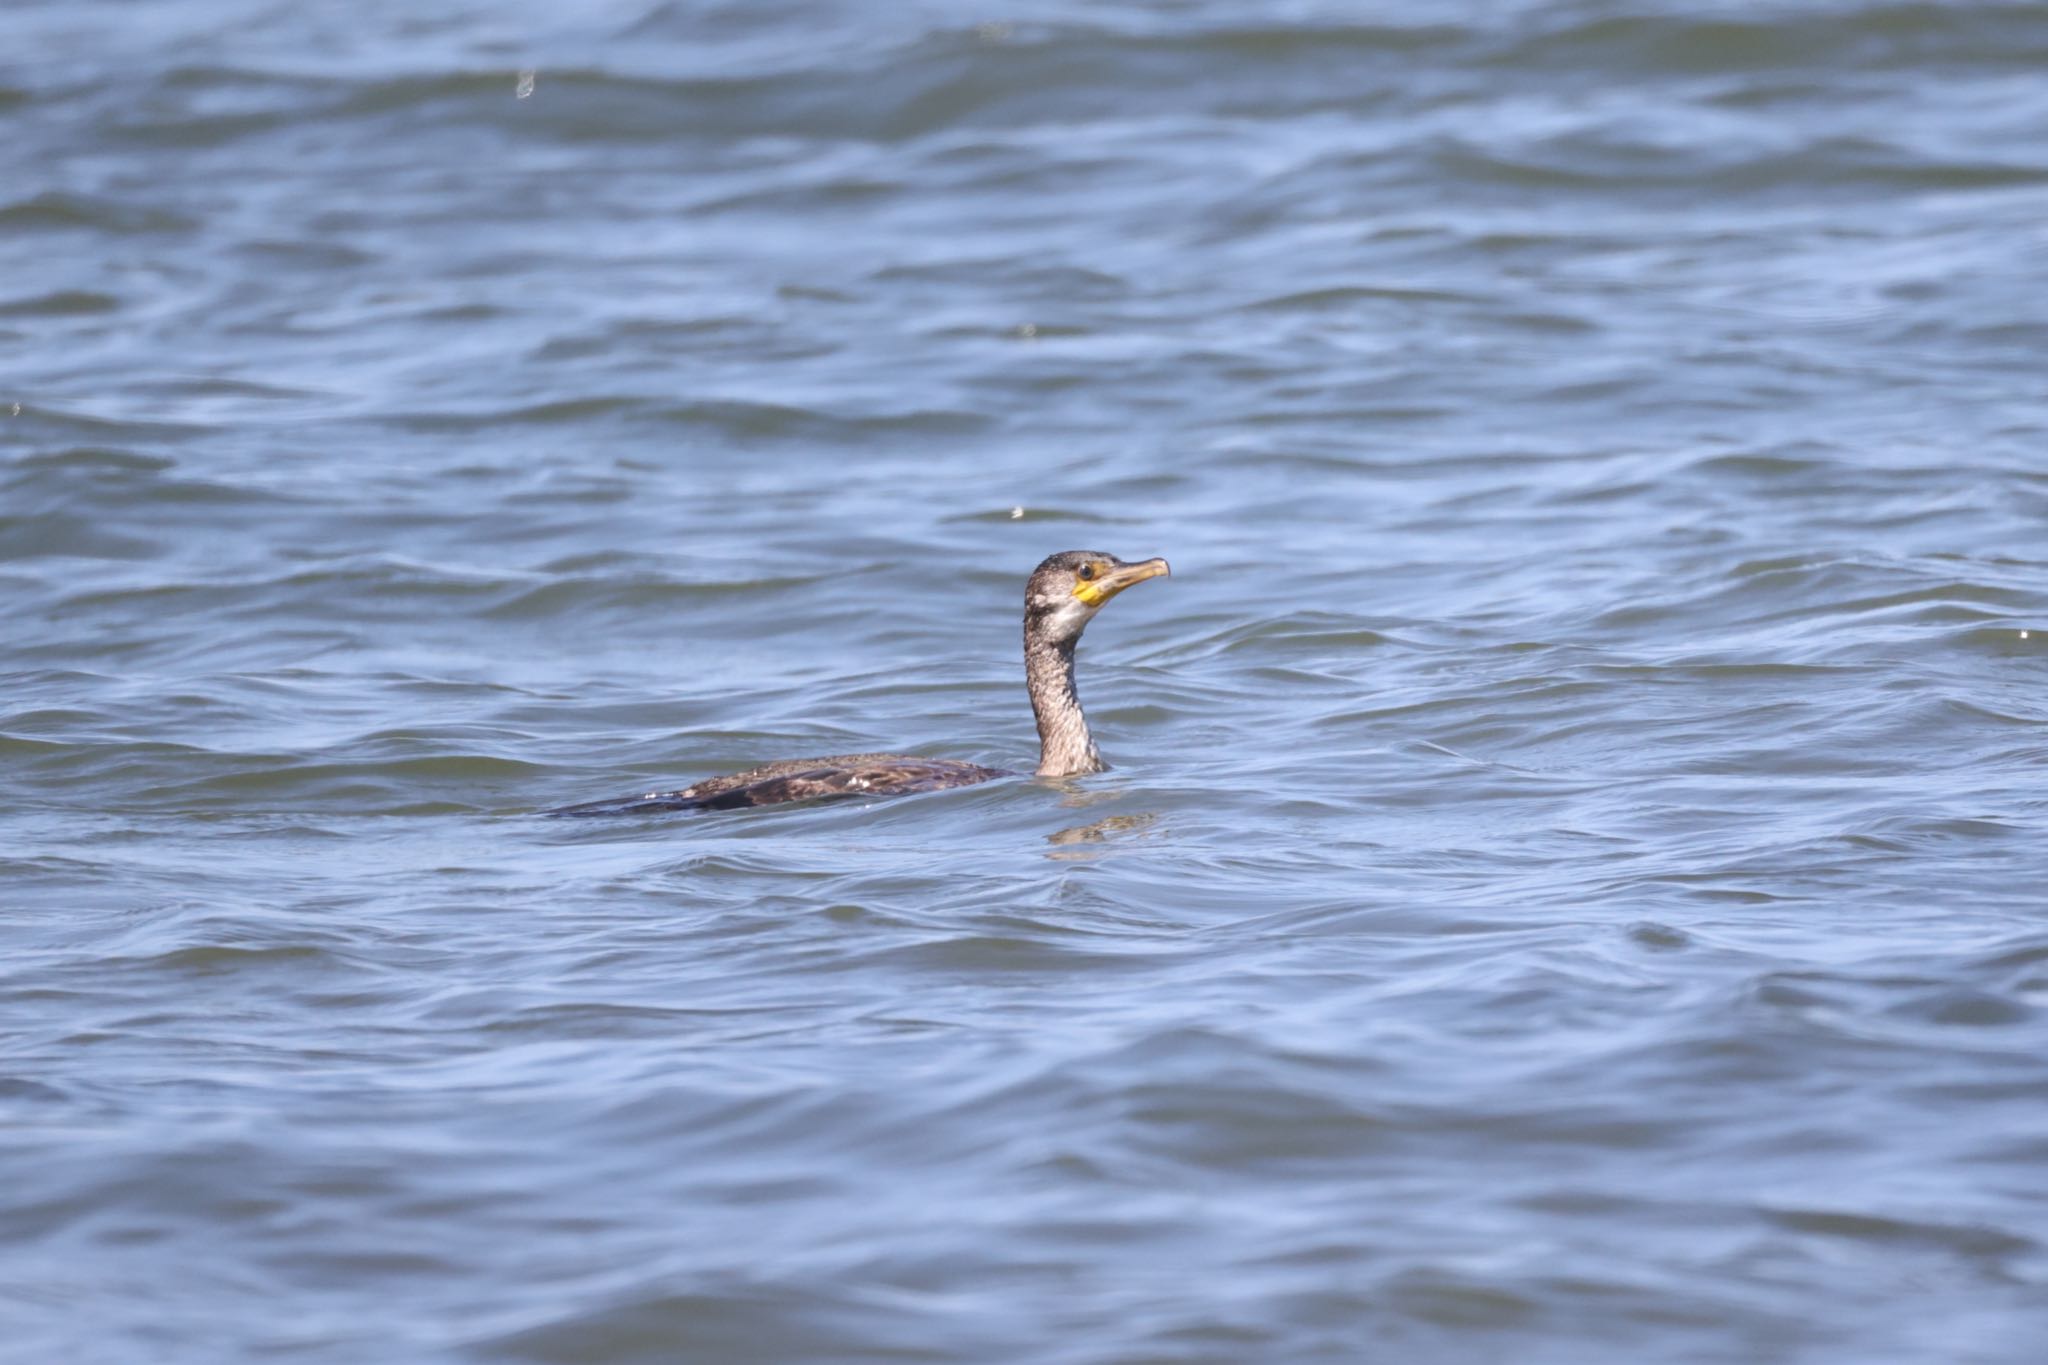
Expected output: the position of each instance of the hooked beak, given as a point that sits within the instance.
(1119, 578)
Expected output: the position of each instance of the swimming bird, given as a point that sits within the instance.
(1061, 598)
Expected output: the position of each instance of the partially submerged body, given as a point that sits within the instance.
(800, 779)
(1063, 595)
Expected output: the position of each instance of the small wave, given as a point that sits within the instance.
(1301, 632)
(733, 1317)
(730, 419)
(1870, 35)
(57, 210)
(1964, 1239)
(64, 303)
(635, 595)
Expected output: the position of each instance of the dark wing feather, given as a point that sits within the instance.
(802, 780)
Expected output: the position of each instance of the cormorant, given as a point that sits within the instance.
(1062, 597)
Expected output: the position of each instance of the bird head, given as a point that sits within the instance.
(1068, 589)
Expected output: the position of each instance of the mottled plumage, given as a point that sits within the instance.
(799, 779)
(1064, 593)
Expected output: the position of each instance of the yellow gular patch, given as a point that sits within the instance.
(1091, 593)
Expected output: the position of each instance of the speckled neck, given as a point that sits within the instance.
(1065, 747)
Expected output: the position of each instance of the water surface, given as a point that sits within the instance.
(1570, 885)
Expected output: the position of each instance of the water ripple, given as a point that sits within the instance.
(1567, 888)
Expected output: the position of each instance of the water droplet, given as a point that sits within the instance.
(1016, 514)
(525, 87)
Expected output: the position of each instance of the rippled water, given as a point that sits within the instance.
(1571, 884)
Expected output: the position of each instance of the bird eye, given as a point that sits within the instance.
(1087, 572)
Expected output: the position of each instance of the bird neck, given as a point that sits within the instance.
(1065, 747)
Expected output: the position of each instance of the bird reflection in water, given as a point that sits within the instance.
(1081, 842)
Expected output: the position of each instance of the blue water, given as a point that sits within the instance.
(1569, 886)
